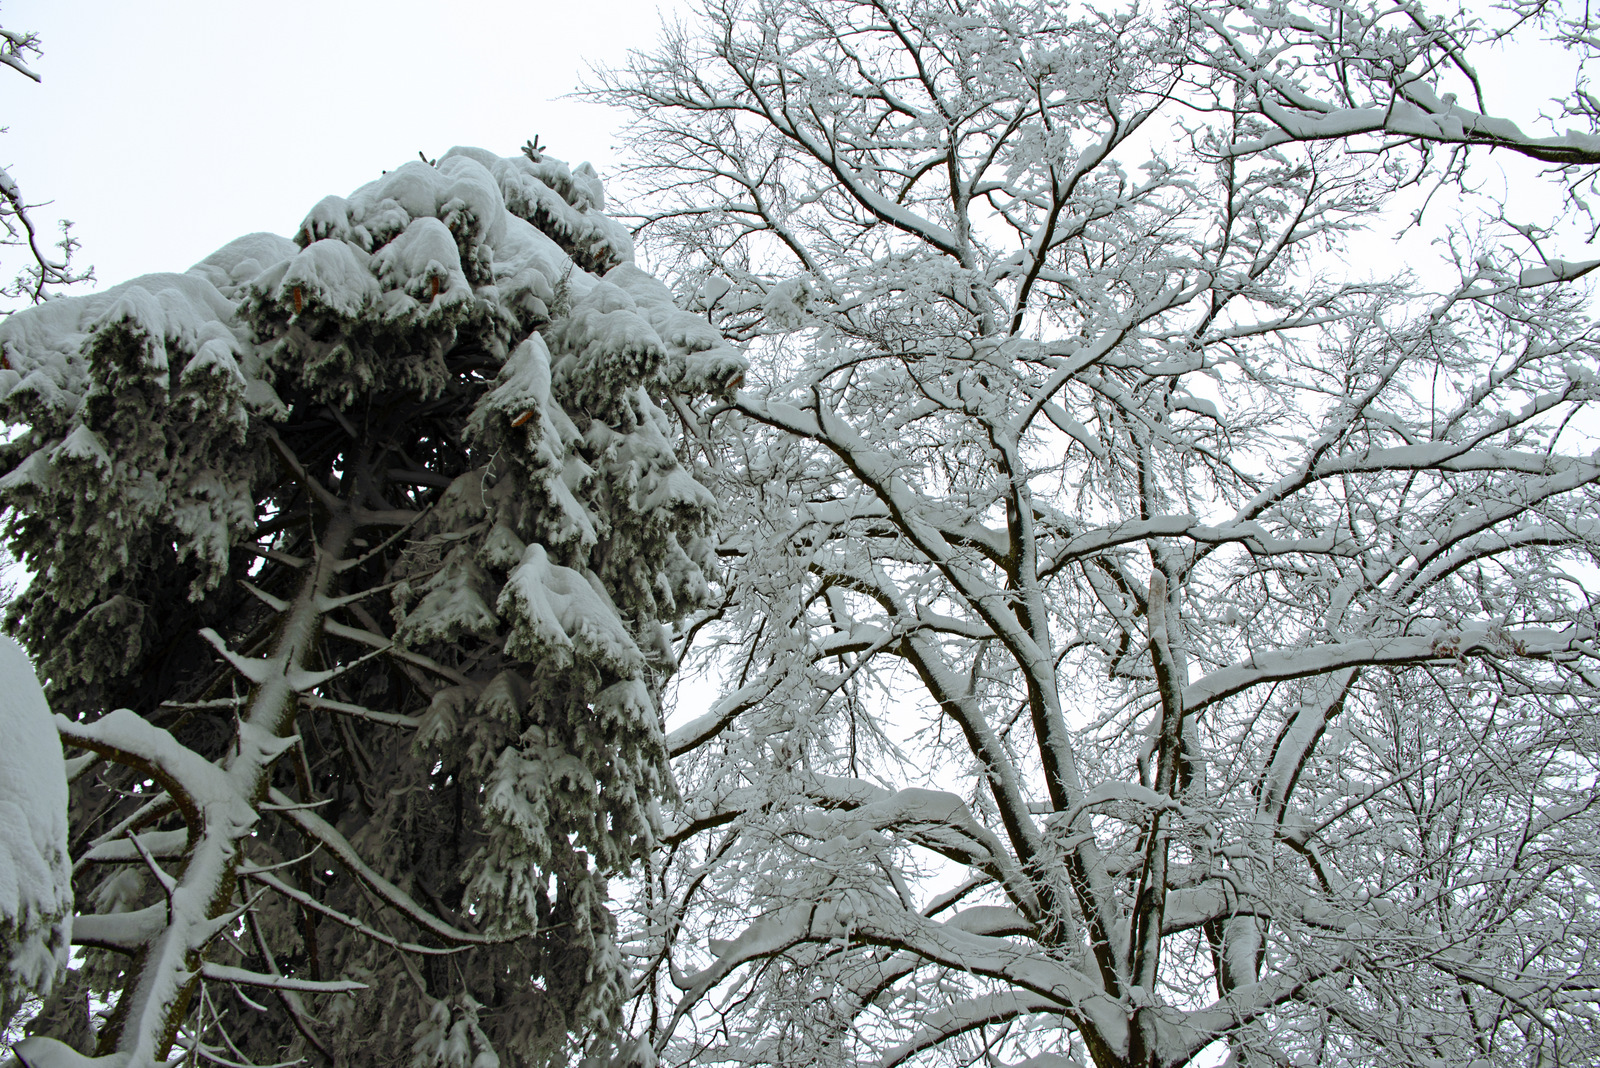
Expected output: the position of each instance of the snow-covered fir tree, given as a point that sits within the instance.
(355, 562)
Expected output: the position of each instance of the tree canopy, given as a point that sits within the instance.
(1140, 633)
(353, 561)
(44, 266)
(1150, 638)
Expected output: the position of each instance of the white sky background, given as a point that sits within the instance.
(166, 128)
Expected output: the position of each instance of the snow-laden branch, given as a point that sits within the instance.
(965, 1016)
(1415, 113)
(225, 973)
(1294, 663)
(949, 943)
(307, 901)
(324, 833)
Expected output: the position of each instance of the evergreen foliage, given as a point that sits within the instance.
(35, 870)
(373, 539)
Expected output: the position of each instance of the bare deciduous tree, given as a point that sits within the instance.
(45, 267)
(1147, 635)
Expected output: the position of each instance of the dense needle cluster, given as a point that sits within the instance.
(374, 540)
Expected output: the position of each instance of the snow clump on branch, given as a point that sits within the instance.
(35, 872)
(449, 388)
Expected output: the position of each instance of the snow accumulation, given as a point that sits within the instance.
(403, 264)
(560, 609)
(433, 246)
(35, 870)
(37, 1051)
(145, 410)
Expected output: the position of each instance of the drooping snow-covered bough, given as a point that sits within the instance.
(35, 874)
(355, 561)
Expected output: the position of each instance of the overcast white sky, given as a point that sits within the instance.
(166, 128)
